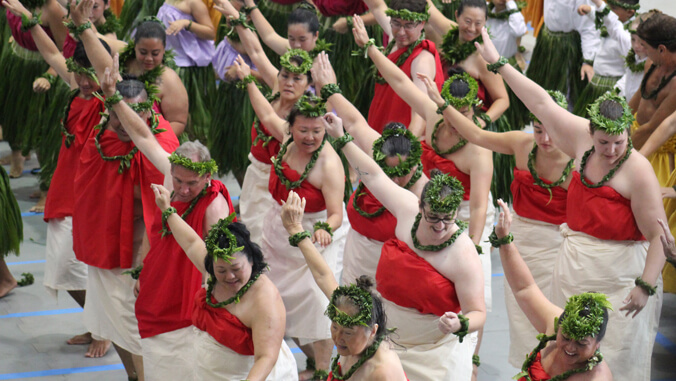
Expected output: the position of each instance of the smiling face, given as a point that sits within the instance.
(235, 274)
(639, 49)
(438, 224)
(406, 32)
(576, 352)
(351, 341)
(149, 52)
(300, 37)
(308, 133)
(610, 148)
(470, 23)
(292, 86)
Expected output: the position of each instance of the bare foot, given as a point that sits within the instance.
(85, 338)
(17, 161)
(35, 195)
(98, 348)
(7, 286)
(5, 160)
(39, 207)
(306, 375)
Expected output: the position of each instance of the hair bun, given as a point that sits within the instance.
(435, 172)
(365, 282)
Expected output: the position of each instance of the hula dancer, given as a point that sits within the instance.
(615, 44)
(403, 24)
(634, 62)
(359, 325)
(436, 297)
(569, 338)
(11, 236)
(190, 35)
(611, 237)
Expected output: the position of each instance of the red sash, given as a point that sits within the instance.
(601, 212)
(263, 154)
(534, 202)
(313, 196)
(24, 39)
(82, 117)
(431, 160)
(408, 280)
(381, 228)
(386, 105)
(223, 326)
(536, 371)
(331, 8)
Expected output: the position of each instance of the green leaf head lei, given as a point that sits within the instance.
(361, 298)
(607, 125)
(433, 193)
(405, 166)
(469, 100)
(584, 315)
(311, 106)
(147, 105)
(76, 68)
(305, 65)
(558, 97)
(621, 4)
(211, 242)
(407, 15)
(200, 167)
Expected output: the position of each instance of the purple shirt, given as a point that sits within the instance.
(190, 50)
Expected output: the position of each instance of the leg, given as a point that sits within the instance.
(7, 281)
(129, 363)
(310, 363)
(475, 368)
(17, 160)
(39, 206)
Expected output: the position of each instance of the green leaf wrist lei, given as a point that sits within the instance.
(241, 20)
(361, 298)
(166, 213)
(476, 360)
(340, 143)
(365, 49)
(295, 239)
(305, 65)
(26, 280)
(165, 228)
(440, 109)
(407, 15)
(330, 89)
(650, 290)
(113, 100)
(247, 10)
(77, 30)
(464, 327)
(497, 65)
(247, 80)
(323, 225)
(49, 77)
(497, 242)
(469, 100)
(201, 167)
(28, 23)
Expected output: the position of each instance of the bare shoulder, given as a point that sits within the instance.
(266, 294)
(328, 157)
(386, 365)
(217, 209)
(601, 372)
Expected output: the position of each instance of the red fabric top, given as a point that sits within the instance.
(24, 39)
(165, 303)
(534, 202)
(431, 160)
(69, 45)
(405, 278)
(223, 326)
(536, 371)
(313, 195)
(103, 225)
(286, 2)
(263, 154)
(341, 371)
(82, 117)
(381, 228)
(330, 8)
(600, 212)
(386, 105)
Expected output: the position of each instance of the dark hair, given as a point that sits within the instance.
(396, 144)
(629, 2)
(659, 29)
(295, 112)
(304, 15)
(445, 190)
(252, 251)
(481, 4)
(132, 88)
(602, 329)
(151, 29)
(412, 5)
(298, 60)
(458, 88)
(378, 316)
(80, 55)
(610, 109)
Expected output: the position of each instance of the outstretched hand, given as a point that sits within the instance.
(333, 125)
(16, 8)
(80, 12)
(292, 213)
(242, 68)
(487, 49)
(504, 221)
(667, 241)
(110, 77)
(432, 90)
(162, 196)
(361, 36)
(227, 9)
(322, 71)
(177, 26)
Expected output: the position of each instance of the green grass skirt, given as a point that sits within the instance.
(200, 83)
(230, 133)
(503, 165)
(556, 63)
(598, 86)
(48, 142)
(4, 30)
(22, 111)
(135, 10)
(11, 233)
(517, 113)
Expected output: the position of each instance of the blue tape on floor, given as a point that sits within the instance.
(498, 274)
(25, 262)
(666, 343)
(56, 372)
(28, 214)
(42, 313)
(296, 350)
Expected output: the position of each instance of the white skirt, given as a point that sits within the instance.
(586, 263)
(217, 362)
(305, 303)
(428, 354)
(361, 257)
(255, 199)
(538, 242)
(62, 270)
(463, 215)
(170, 355)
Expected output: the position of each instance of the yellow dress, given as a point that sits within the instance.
(667, 178)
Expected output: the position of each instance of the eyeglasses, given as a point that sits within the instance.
(408, 26)
(435, 220)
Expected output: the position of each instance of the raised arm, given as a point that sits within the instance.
(267, 33)
(97, 54)
(292, 218)
(539, 310)
(396, 78)
(202, 27)
(191, 243)
(666, 130)
(378, 8)
(440, 23)
(569, 132)
(495, 87)
(53, 15)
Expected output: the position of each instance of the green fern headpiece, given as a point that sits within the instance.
(611, 127)
(147, 105)
(304, 67)
(558, 97)
(361, 298)
(211, 242)
(201, 167)
(621, 4)
(407, 15)
(405, 166)
(578, 327)
(76, 68)
(470, 99)
(450, 202)
(311, 106)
